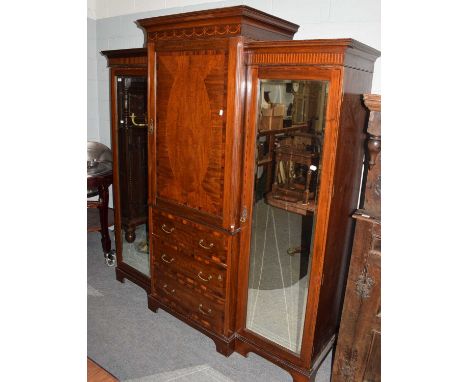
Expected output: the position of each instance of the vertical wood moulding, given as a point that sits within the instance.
(152, 70)
(234, 114)
(323, 211)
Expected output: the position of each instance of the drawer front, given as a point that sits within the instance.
(210, 243)
(174, 230)
(191, 237)
(188, 300)
(210, 277)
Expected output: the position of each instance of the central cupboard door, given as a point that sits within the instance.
(191, 129)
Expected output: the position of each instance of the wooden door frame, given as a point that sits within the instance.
(254, 74)
(138, 277)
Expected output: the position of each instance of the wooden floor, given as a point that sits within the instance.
(97, 374)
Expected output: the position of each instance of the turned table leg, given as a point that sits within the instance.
(130, 234)
(103, 211)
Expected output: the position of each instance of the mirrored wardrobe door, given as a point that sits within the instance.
(289, 139)
(131, 128)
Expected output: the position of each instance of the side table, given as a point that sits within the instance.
(100, 186)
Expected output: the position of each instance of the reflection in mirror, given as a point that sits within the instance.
(136, 253)
(290, 126)
(133, 184)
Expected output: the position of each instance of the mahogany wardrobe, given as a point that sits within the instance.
(255, 153)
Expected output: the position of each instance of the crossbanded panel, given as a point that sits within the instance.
(191, 92)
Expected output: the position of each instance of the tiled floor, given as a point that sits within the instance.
(202, 373)
(130, 253)
(277, 294)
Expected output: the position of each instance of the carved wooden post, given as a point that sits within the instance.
(357, 356)
(307, 186)
(372, 190)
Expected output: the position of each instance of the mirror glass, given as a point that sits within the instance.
(290, 127)
(133, 174)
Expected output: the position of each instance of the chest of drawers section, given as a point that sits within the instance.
(192, 268)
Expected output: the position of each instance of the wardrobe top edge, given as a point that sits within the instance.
(344, 43)
(117, 53)
(217, 14)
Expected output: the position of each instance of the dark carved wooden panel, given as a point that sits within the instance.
(358, 350)
(191, 104)
(373, 362)
(357, 357)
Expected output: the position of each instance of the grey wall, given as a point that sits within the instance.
(358, 19)
(93, 101)
(118, 32)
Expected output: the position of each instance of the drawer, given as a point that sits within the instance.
(191, 237)
(183, 298)
(169, 228)
(210, 244)
(210, 277)
(209, 239)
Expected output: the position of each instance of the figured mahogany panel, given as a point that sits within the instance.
(191, 100)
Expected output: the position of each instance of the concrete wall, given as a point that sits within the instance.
(93, 100)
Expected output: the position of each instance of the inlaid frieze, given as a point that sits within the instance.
(227, 30)
(295, 57)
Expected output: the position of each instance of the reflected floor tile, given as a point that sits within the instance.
(201, 373)
(130, 253)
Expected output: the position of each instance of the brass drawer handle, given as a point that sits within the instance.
(168, 231)
(206, 313)
(163, 258)
(201, 278)
(166, 291)
(201, 243)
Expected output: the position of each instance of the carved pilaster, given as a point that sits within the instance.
(372, 102)
(373, 147)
